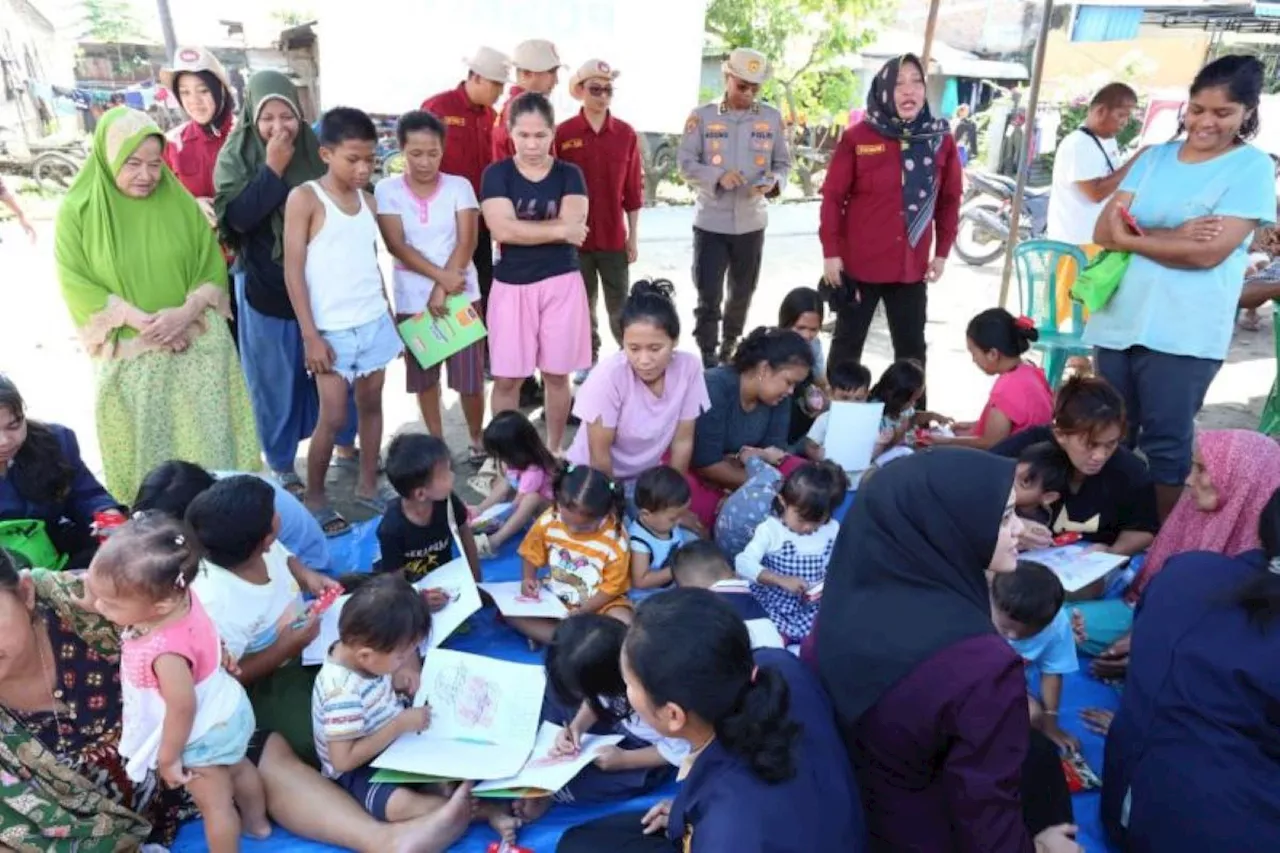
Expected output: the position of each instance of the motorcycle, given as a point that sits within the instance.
(984, 218)
(51, 163)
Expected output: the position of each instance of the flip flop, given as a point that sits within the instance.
(331, 522)
(379, 502)
(476, 455)
(290, 482)
(351, 463)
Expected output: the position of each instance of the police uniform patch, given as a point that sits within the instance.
(717, 160)
(691, 123)
(760, 161)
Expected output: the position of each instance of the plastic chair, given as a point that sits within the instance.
(1044, 275)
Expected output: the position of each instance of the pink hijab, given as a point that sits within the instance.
(1244, 467)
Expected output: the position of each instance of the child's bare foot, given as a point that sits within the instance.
(499, 815)
(435, 832)
(531, 809)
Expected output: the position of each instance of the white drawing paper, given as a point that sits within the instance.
(318, 649)
(484, 718)
(764, 634)
(548, 772)
(455, 578)
(493, 517)
(1075, 565)
(852, 434)
(512, 601)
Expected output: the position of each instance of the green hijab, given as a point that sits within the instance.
(149, 252)
(245, 153)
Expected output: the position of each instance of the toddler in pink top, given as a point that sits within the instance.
(1021, 397)
(528, 470)
(184, 715)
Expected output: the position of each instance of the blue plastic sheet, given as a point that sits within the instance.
(484, 634)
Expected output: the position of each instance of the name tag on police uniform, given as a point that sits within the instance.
(455, 121)
(570, 144)
(867, 150)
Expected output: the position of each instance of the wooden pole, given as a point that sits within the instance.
(929, 29)
(1033, 99)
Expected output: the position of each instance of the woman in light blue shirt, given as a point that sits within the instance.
(1163, 336)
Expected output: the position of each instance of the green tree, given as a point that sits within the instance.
(292, 17)
(111, 21)
(812, 45)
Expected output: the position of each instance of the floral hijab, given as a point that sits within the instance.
(1244, 467)
(920, 138)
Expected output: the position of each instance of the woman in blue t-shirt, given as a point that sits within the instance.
(1163, 336)
(539, 319)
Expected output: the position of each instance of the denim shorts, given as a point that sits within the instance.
(365, 349)
(1162, 394)
(224, 744)
(372, 795)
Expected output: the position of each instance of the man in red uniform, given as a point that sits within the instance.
(537, 70)
(608, 153)
(468, 116)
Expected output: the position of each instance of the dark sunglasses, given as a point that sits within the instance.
(601, 91)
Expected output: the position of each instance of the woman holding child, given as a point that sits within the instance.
(750, 415)
(62, 782)
(640, 406)
(536, 208)
(146, 285)
(931, 701)
(1109, 499)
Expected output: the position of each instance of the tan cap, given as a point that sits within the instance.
(747, 64)
(193, 59)
(536, 55)
(592, 69)
(490, 64)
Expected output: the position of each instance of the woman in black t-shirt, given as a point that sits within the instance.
(539, 319)
(1111, 500)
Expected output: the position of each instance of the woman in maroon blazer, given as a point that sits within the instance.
(894, 179)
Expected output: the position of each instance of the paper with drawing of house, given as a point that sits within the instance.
(484, 718)
(547, 772)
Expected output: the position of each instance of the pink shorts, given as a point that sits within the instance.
(541, 326)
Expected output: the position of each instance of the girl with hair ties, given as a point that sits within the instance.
(766, 769)
(930, 700)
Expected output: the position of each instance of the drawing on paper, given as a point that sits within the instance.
(472, 697)
(549, 760)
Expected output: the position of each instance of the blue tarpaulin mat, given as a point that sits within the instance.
(484, 635)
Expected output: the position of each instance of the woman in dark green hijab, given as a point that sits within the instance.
(271, 151)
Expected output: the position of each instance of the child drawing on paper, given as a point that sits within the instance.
(528, 470)
(584, 674)
(583, 548)
(357, 713)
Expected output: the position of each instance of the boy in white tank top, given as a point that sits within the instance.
(335, 286)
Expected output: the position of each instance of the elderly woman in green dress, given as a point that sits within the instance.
(62, 782)
(146, 285)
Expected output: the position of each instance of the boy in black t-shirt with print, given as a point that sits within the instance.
(416, 535)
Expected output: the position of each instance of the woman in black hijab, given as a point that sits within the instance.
(931, 702)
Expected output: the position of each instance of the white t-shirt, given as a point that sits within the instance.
(1071, 213)
(250, 616)
(431, 227)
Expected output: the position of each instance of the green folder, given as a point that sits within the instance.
(397, 777)
(433, 339)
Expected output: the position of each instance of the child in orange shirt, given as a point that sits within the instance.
(583, 546)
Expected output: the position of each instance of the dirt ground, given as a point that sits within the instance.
(39, 350)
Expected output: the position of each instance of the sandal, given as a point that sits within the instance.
(290, 482)
(380, 500)
(476, 455)
(331, 522)
(351, 463)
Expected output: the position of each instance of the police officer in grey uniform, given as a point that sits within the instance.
(735, 153)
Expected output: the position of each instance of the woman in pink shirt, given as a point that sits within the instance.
(1021, 397)
(638, 407)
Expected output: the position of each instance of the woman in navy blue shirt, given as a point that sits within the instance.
(43, 479)
(1193, 755)
(767, 771)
